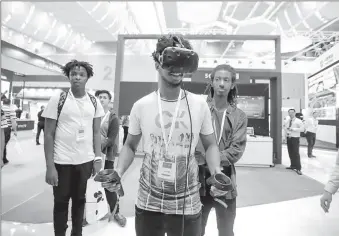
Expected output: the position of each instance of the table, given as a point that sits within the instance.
(25, 124)
(258, 152)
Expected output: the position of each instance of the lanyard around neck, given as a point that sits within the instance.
(173, 120)
(221, 128)
(76, 104)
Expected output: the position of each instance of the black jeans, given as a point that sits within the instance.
(125, 134)
(293, 152)
(72, 184)
(311, 137)
(149, 223)
(41, 126)
(112, 198)
(7, 132)
(225, 216)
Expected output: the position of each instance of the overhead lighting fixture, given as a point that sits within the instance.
(320, 17)
(29, 17)
(18, 8)
(95, 8)
(8, 18)
(20, 40)
(62, 31)
(48, 34)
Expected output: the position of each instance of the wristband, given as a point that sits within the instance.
(97, 159)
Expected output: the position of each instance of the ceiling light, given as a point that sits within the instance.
(20, 40)
(309, 5)
(62, 31)
(54, 23)
(48, 34)
(8, 18)
(18, 7)
(77, 39)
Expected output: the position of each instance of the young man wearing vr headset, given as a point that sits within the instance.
(229, 123)
(170, 120)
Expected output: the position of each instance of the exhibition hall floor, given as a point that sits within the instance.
(272, 201)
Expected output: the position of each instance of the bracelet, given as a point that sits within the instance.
(97, 159)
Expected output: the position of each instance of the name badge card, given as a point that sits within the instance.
(81, 134)
(167, 171)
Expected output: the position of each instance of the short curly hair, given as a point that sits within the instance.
(170, 41)
(74, 63)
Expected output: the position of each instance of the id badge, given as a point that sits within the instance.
(167, 171)
(81, 134)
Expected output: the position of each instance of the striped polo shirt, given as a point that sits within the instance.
(3, 120)
(9, 114)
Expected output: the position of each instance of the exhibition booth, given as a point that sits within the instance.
(323, 97)
(259, 96)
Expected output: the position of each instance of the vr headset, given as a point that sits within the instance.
(179, 60)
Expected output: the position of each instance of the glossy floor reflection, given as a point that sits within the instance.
(302, 217)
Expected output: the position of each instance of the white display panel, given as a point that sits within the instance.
(322, 92)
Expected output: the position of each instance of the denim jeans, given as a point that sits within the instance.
(72, 184)
(149, 223)
(225, 216)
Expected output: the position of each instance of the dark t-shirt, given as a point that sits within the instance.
(40, 118)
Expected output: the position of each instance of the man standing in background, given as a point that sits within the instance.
(4, 125)
(41, 124)
(311, 126)
(11, 121)
(125, 124)
(72, 146)
(230, 125)
(109, 130)
(293, 127)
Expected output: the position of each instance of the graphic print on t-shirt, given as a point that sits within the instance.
(165, 171)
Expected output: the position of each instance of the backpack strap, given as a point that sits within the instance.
(63, 97)
(62, 100)
(94, 101)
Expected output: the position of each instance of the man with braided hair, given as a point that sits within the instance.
(72, 146)
(169, 185)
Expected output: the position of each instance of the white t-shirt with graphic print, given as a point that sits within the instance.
(67, 150)
(155, 193)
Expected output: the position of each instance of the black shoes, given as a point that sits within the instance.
(293, 168)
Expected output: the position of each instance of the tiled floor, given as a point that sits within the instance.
(302, 217)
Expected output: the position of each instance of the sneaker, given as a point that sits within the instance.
(298, 172)
(120, 219)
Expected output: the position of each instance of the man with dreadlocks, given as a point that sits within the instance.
(169, 185)
(229, 123)
(72, 146)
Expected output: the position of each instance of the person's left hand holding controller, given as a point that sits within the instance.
(115, 184)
